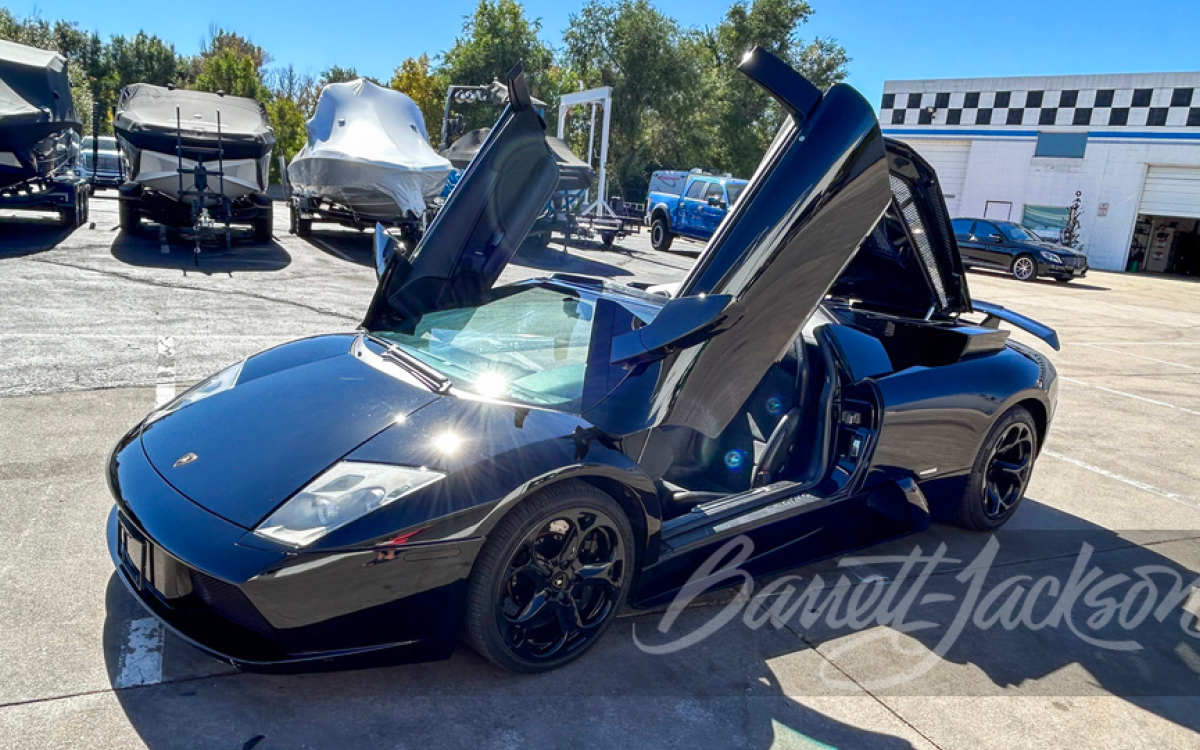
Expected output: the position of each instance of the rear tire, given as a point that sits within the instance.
(606, 239)
(660, 234)
(540, 239)
(550, 579)
(997, 482)
(1024, 268)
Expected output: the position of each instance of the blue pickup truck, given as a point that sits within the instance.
(688, 204)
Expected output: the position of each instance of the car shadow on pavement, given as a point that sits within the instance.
(765, 678)
(24, 236)
(144, 249)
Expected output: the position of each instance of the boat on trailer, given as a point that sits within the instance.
(367, 160)
(194, 159)
(39, 134)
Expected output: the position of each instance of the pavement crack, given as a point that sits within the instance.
(102, 691)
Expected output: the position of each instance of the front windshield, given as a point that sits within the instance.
(529, 346)
(1018, 233)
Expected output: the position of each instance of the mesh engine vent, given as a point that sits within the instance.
(912, 217)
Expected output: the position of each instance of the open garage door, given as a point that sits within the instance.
(949, 160)
(1171, 191)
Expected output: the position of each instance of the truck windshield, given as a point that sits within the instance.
(1018, 233)
(530, 346)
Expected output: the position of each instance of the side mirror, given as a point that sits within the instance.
(715, 200)
(385, 250)
(682, 322)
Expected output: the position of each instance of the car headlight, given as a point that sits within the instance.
(344, 493)
(222, 381)
(1050, 257)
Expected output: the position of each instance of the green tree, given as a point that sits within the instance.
(494, 38)
(233, 73)
(645, 57)
(417, 78)
(338, 74)
(290, 134)
(746, 118)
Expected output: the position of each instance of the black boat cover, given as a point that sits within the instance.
(35, 103)
(573, 173)
(148, 117)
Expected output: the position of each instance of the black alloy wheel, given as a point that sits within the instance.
(550, 579)
(1008, 470)
(1001, 473)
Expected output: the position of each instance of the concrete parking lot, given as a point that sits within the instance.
(97, 327)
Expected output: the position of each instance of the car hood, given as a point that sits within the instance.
(292, 412)
(1054, 248)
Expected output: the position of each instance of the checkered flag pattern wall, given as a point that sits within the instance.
(1142, 107)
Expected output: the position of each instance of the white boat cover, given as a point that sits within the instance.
(365, 140)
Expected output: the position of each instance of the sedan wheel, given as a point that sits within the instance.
(1001, 473)
(1024, 268)
(550, 579)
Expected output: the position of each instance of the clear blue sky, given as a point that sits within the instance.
(938, 39)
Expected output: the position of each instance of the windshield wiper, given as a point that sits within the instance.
(429, 377)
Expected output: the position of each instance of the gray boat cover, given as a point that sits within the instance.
(573, 173)
(365, 139)
(35, 103)
(148, 117)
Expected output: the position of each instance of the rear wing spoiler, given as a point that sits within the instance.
(996, 313)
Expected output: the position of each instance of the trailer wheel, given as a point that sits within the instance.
(606, 239)
(129, 217)
(264, 223)
(540, 239)
(298, 226)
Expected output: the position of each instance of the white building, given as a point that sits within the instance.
(1020, 149)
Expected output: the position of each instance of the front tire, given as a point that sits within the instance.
(550, 579)
(997, 482)
(660, 234)
(1024, 268)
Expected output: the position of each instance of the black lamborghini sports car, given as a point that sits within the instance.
(514, 464)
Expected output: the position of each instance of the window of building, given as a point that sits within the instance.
(1015, 116)
(1141, 97)
(971, 100)
(983, 117)
(1083, 116)
(1033, 99)
(1047, 115)
(1104, 97)
(1061, 145)
(1068, 98)
(1157, 116)
(914, 101)
(898, 116)
(942, 100)
(1002, 98)
(1118, 116)
(889, 101)
(954, 117)
(1193, 117)
(1181, 98)
(925, 117)
(1045, 218)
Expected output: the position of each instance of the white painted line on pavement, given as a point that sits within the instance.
(141, 659)
(205, 336)
(1173, 496)
(164, 382)
(1139, 356)
(332, 249)
(1130, 395)
(1133, 343)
